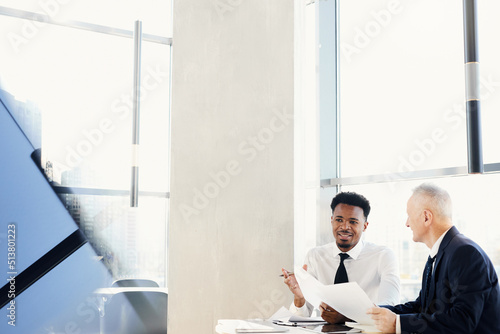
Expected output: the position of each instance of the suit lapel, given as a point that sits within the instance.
(446, 240)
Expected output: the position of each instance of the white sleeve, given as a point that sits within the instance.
(388, 292)
(304, 311)
(307, 308)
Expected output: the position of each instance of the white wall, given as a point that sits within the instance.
(231, 222)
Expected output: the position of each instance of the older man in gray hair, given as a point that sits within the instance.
(460, 291)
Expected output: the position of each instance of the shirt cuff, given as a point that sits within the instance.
(300, 311)
(398, 324)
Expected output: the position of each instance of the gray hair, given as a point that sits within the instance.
(435, 198)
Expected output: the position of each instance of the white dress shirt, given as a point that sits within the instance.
(373, 267)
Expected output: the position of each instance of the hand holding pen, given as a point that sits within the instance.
(292, 284)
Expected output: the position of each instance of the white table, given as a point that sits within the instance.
(228, 326)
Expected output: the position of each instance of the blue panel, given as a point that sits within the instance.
(62, 301)
(26, 200)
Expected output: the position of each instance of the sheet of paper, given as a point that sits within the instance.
(312, 289)
(283, 314)
(347, 298)
(230, 326)
(298, 318)
(364, 328)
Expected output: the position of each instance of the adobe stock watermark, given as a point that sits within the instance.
(222, 7)
(248, 151)
(267, 307)
(364, 36)
(87, 316)
(30, 28)
(453, 117)
(122, 107)
(11, 272)
(441, 304)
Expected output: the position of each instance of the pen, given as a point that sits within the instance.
(288, 274)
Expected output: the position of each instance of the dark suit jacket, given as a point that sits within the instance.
(464, 295)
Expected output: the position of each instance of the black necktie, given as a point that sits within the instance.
(427, 278)
(341, 276)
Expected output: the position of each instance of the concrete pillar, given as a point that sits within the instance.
(231, 219)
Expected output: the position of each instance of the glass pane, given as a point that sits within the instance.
(32, 219)
(401, 86)
(69, 290)
(489, 53)
(86, 104)
(79, 85)
(307, 134)
(154, 14)
(131, 241)
(155, 118)
(309, 96)
(388, 219)
(326, 64)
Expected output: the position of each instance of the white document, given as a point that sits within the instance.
(230, 326)
(283, 314)
(284, 317)
(364, 328)
(347, 298)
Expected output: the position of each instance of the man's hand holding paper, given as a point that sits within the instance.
(330, 315)
(348, 299)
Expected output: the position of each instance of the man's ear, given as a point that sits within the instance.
(365, 225)
(428, 216)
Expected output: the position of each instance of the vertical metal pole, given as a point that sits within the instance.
(474, 133)
(134, 189)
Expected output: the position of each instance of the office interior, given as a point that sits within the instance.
(172, 156)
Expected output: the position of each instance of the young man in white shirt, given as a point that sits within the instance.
(373, 267)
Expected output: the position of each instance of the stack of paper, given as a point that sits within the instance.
(229, 326)
(284, 317)
(346, 298)
(364, 328)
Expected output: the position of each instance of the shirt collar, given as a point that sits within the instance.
(435, 247)
(355, 251)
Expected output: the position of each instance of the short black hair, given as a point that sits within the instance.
(352, 198)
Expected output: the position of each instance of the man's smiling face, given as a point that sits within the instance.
(348, 224)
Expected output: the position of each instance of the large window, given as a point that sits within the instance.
(400, 104)
(402, 87)
(473, 202)
(68, 70)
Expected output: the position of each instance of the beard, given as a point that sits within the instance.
(344, 245)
